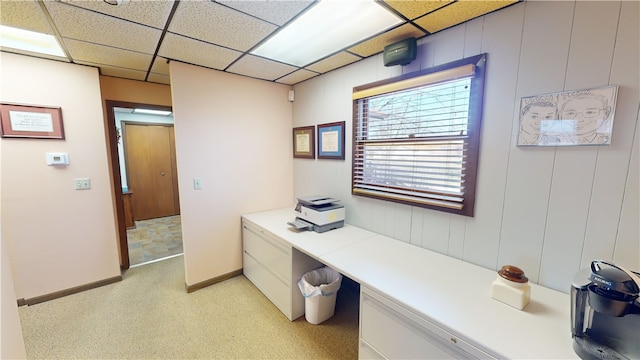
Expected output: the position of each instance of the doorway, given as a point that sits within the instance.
(156, 231)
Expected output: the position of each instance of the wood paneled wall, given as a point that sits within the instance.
(548, 210)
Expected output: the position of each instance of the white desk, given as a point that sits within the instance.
(450, 293)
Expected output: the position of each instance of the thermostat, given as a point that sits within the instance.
(57, 159)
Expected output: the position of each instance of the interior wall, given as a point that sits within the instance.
(58, 237)
(113, 88)
(234, 134)
(11, 340)
(548, 210)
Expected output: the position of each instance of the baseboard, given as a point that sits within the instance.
(215, 280)
(71, 291)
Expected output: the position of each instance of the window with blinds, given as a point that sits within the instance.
(416, 138)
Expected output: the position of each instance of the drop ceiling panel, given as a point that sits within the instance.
(217, 24)
(80, 24)
(338, 60)
(457, 13)
(275, 12)
(105, 55)
(297, 76)
(119, 72)
(376, 44)
(160, 66)
(414, 9)
(152, 13)
(24, 15)
(196, 52)
(158, 78)
(260, 68)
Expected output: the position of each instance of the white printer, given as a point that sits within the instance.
(318, 213)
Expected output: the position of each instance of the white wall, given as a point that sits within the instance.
(234, 133)
(58, 238)
(548, 210)
(11, 341)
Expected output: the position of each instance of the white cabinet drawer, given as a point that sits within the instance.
(271, 252)
(397, 333)
(272, 287)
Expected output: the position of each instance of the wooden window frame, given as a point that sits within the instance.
(415, 79)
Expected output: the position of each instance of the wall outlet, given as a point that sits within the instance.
(197, 184)
(82, 183)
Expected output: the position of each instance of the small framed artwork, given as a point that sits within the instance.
(31, 121)
(570, 118)
(304, 142)
(331, 141)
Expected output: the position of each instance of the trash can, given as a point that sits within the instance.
(319, 288)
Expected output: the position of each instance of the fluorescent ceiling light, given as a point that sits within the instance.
(152, 112)
(329, 26)
(31, 41)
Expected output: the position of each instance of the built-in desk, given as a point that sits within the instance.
(436, 304)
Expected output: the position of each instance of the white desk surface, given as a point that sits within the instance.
(310, 242)
(449, 292)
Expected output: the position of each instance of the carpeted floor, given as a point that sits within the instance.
(149, 315)
(154, 239)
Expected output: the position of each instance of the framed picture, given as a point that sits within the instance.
(30, 121)
(304, 142)
(577, 117)
(331, 141)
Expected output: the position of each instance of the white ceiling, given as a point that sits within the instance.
(137, 40)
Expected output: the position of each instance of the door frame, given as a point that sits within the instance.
(114, 165)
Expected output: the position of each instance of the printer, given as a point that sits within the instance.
(318, 213)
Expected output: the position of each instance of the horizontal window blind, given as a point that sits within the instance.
(411, 144)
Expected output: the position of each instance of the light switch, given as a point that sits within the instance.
(82, 183)
(197, 184)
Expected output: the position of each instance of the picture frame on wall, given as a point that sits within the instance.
(31, 121)
(331, 141)
(304, 142)
(569, 118)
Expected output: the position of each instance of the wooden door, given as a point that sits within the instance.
(151, 170)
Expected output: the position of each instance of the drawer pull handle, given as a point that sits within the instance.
(453, 341)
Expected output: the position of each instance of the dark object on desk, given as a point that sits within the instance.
(605, 312)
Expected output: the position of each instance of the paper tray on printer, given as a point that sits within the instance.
(300, 224)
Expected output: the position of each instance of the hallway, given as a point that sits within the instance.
(154, 239)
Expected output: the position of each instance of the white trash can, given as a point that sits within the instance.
(319, 288)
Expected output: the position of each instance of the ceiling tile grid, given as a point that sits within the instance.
(146, 12)
(80, 24)
(137, 40)
(338, 60)
(26, 15)
(275, 12)
(297, 76)
(260, 68)
(217, 24)
(196, 52)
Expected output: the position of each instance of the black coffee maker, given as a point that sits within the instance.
(605, 312)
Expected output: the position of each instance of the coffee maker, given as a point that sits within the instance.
(605, 312)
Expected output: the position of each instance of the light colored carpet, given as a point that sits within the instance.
(149, 315)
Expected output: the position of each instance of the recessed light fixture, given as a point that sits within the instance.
(331, 25)
(152, 112)
(31, 41)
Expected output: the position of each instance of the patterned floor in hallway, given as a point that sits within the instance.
(154, 239)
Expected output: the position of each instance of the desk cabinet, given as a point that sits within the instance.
(275, 267)
(390, 331)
